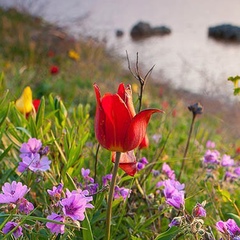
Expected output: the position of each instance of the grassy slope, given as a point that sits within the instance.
(27, 42)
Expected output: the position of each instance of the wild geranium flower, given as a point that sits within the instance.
(210, 144)
(227, 161)
(12, 192)
(24, 103)
(33, 156)
(31, 147)
(74, 206)
(25, 206)
(168, 171)
(10, 226)
(35, 163)
(116, 127)
(56, 191)
(229, 228)
(211, 156)
(55, 227)
(173, 192)
(121, 192)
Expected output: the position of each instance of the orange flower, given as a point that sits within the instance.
(117, 128)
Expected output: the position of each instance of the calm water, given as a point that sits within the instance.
(186, 58)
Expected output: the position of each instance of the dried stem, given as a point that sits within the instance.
(187, 146)
(142, 80)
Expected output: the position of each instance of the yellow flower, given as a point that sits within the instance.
(73, 55)
(24, 103)
(135, 88)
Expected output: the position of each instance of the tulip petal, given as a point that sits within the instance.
(144, 143)
(137, 129)
(117, 121)
(99, 119)
(127, 162)
(24, 103)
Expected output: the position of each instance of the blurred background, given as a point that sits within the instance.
(186, 58)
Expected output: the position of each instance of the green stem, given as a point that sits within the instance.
(110, 196)
(186, 149)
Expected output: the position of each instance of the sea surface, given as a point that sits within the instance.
(187, 58)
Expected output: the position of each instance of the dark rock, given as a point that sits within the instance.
(143, 29)
(119, 33)
(226, 32)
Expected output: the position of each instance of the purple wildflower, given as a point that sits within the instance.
(155, 173)
(31, 147)
(13, 192)
(107, 178)
(211, 156)
(168, 171)
(74, 207)
(210, 144)
(34, 163)
(173, 192)
(92, 188)
(56, 191)
(54, 227)
(85, 174)
(156, 137)
(237, 171)
(121, 192)
(229, 228)
(33, 156)
(141, 163)
(176, 222)
(25, 206)
(83, 193)
(10, 226)
(199, 211)
(227, 161)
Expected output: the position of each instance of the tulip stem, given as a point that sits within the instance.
(110, 196)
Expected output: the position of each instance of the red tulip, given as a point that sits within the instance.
(36, 103)
(54, 70)
(117, 128)
(144, 143)
(127, 162)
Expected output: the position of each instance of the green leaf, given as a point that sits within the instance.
(40, 113)
(87, 230)
(234, 79)
(5, 152)
(236, 91)
(169, 234)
